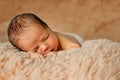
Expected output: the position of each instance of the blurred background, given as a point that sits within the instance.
(91, 19)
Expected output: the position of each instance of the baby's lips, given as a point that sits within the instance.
(48, 51)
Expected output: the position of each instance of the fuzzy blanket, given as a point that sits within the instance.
(95, 60)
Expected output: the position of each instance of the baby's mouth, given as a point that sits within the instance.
(52, 50)
(49, 51)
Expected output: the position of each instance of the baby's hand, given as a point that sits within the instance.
(35, 55)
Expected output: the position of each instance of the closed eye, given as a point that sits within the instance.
(46, 37)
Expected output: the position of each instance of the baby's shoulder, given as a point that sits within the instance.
(67, 41)
(69, 36)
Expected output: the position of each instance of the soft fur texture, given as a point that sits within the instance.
(95, 60)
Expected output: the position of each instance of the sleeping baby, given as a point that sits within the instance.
(29, 33)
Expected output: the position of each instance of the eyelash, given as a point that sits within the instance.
(46, 37)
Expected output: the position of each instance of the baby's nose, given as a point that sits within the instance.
(44, 48)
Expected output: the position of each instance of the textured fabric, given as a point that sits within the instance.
(95, 60)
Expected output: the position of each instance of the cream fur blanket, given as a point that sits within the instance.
(95, 60)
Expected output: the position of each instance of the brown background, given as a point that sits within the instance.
(91, 19)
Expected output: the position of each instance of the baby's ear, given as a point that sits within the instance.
(34, 55)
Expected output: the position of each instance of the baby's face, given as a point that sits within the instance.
(37, 39)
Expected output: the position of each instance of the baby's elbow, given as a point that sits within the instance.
(74, 46)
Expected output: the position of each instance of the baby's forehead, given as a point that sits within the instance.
(27, 39)
(34, 30)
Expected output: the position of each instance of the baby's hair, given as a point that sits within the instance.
(19, 23)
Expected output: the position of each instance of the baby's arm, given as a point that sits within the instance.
(35, 55)
(66, 42)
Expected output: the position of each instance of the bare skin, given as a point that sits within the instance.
(39, 40)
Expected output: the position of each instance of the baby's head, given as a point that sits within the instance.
(28, 32)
